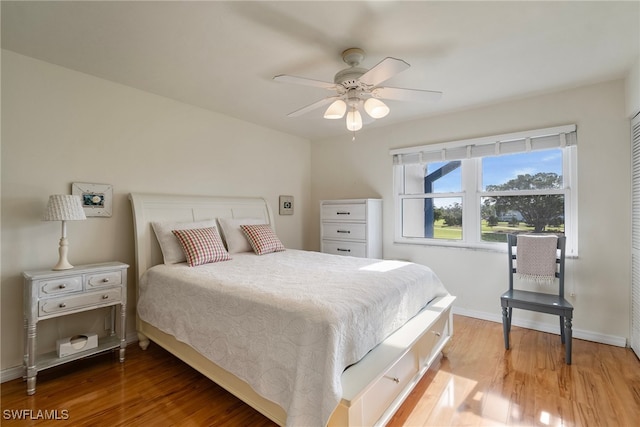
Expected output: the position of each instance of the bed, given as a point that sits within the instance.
(216, 316)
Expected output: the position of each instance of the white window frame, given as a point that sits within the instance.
(471, 186)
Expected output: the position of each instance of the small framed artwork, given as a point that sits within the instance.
(97, 199)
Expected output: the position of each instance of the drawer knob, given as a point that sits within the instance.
(62, 305)
(62, 285)
(438, 334)
(394, 379)
(105, 280)
(105, 296)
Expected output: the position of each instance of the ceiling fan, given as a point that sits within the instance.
(358, 88)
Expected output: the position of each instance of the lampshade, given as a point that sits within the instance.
(354, 120)
(336, 110)
(376, 108)
(64, 207)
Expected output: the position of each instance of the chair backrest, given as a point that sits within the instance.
(512, 241)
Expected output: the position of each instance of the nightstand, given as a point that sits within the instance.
(49, 294)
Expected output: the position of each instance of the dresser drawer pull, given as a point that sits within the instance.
(438, 334)
(62, 286)
(105, 296)
(343, 250)
(105, 280)
(343, 213)
(62, 305)
(394, 379)
(343, 231)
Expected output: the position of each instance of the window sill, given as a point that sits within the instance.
(486, 247)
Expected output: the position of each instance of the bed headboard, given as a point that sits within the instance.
(168, 207)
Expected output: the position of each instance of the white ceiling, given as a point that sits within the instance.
(222, 55)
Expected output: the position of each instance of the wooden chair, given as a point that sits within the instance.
(538, 301)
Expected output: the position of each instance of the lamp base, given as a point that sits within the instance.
(63, 264)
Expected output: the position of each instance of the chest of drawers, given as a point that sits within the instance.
(351, 227)
(49, 294)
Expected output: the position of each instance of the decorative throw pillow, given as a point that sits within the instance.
(233, 235)
(202, 245)
(172, 252)
(262, 239)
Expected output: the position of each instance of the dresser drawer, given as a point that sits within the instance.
(344, 231)
(386, 389)
(73, 302)
(99, 280)
(344, 248)
(52, 287)
(344, 212)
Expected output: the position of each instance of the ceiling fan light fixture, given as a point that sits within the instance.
(376, 108)
(354, 120)
(336, 110)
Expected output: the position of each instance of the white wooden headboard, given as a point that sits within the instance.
(148, 208)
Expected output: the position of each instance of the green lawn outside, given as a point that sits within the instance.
(489, 234)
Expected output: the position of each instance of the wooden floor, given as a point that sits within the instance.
(477, 383)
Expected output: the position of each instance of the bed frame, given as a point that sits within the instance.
(373, 389)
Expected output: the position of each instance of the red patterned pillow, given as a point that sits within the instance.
(262, 239)
(202, 245)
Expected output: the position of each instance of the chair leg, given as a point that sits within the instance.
(568, 333)
(506, 325)
(562, 338)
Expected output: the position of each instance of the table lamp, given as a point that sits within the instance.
(63, 207)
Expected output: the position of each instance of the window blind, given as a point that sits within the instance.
(519, 142)
(635, 235)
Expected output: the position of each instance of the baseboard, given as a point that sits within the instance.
(544, 327)
(11, 373)
(16, 372)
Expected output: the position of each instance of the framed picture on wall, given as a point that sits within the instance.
(97, 199)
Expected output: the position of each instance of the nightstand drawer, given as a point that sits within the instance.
(47, 288)
(344, 231)
(98, 280)
(345, 212)
(73, 302)
(344, 248)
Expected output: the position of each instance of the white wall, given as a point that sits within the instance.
(600, 277)
(632, 90)
(60, 126)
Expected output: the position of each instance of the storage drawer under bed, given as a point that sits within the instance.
(372, 403)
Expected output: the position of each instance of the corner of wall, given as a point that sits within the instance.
(632, 90)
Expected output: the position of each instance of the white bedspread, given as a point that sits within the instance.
(287, 323)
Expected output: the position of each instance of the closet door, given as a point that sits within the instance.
(635, 236)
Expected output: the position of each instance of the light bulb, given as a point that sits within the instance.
(354, 120)
(336, 110)
(376, 108)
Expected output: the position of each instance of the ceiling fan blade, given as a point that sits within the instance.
(401, 94)
(384, 70)
(313, 106)
(285, 78)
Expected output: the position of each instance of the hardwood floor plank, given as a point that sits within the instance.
(476, 383)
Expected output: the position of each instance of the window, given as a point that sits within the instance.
(472, 193)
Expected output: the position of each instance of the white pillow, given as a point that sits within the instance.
(172, 251)
(234, 237)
